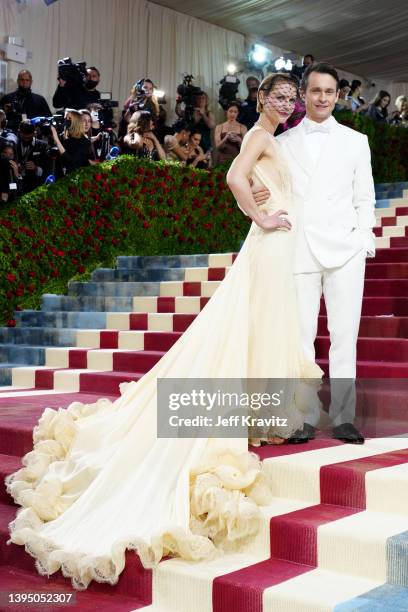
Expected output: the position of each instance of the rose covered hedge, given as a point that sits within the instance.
(388, 144)
(124, 207)
(131, 206)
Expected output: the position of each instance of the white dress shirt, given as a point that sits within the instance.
(316, 135)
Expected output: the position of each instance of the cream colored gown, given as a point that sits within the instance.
(99, 481)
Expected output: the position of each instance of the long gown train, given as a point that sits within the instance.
(98, 480)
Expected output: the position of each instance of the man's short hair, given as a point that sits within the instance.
(182, 125)
(251, 78)
(321, 68)
(344, 83)
(309, 55)
(26, 127)
(94, 68)
(25, 71)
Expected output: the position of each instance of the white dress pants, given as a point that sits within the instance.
(342, 289)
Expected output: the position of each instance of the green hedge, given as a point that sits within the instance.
(131, 206)
(389, 146)
(124, 207)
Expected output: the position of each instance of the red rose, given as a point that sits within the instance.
(92, 213)
(114, 169)
(11, 323)
(98, 177)
(166, 232)
(140, 171)
(72, 189)
(11, 277)
(146, 224)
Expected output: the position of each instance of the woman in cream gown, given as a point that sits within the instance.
(99, 481)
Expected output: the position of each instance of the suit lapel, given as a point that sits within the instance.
(297, 150)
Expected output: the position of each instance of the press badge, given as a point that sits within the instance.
(12, 186)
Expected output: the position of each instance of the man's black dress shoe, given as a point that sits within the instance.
(347, 433)
(301, 436)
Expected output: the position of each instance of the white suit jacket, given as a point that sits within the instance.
(334, 197)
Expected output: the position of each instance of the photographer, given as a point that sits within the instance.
(31, 156)
(75, 148)
(23, 103)
(141, 98)
(6, 135)
(248, 114)
(203, 120)
(102, 138)
(140, 140)
(10, 178)
(76, 85)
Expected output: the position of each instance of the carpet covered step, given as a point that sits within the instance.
(176, 261)
(51, 302)
(375, 327)
(38, 318)
(130, 289)
(17, 580)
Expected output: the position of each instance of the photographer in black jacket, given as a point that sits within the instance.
(6, 135)
(74, 147)
(10, 178)
(76, 85)
(31, 157)
(23, 103)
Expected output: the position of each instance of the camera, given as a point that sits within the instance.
(44, 124)
(140, 101)
(187, 93)
(228, 90)
(73, 74)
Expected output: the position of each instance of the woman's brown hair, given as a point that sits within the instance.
(269, 83)
(139, 123)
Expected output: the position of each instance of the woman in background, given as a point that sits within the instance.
(140, 140)
(75, 148)
(378, 109)
(228, 135)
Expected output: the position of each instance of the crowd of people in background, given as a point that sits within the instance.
(37, 146)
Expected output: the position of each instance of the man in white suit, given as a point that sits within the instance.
(334, 193)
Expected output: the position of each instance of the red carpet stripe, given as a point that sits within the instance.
(242, 591)
(343, 483)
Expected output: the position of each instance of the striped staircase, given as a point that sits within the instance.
(335, 536)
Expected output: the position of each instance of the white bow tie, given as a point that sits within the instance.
(311, 128)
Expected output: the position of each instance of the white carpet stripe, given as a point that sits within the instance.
(297, 476)
(357, 544)
(315, 591)
(180, 586)
(387, 490)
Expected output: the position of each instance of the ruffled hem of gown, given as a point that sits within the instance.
(225, 492)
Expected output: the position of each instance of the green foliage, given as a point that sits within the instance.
(124, 207)
(388, 144)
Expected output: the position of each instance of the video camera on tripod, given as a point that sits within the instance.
(73, 74)
(186, 95)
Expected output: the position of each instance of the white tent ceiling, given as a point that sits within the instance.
(367, 37)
